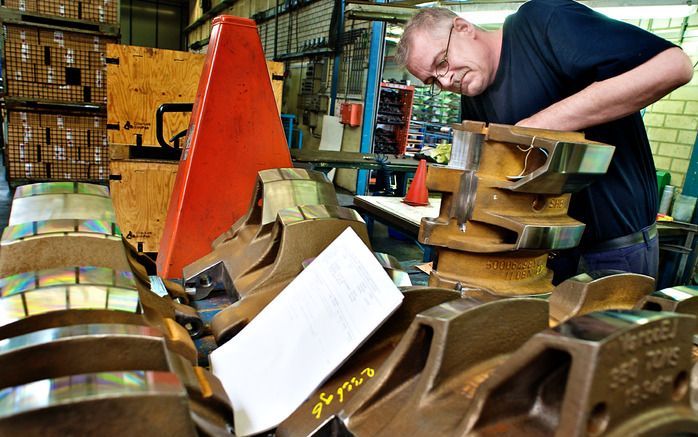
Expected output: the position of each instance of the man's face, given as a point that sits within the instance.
(469, 61)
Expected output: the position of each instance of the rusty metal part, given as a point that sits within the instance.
(612, 373)
(58, 243)
(503, 212)
(298, 234)
(598, 291)
(235, 249)
(336, 391)
(428, 381)
(167, 396)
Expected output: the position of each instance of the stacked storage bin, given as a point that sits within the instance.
(54, 58)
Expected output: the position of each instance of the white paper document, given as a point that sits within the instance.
(304, 334)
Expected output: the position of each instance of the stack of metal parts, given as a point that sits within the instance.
(507, 208)
(86, 348)
(452, 371)
(292, 217)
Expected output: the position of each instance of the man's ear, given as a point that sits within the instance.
(462, 25)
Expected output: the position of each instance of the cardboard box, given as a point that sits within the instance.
(69, 170)
(22, 5)
(59, 8)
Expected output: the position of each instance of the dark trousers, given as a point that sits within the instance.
(640, 258)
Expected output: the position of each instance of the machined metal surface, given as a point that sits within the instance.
(275, 190)
(612, 373)
(680, 299)
(66, 276)
(570, 162)
(496, 220)
(507, 208)
(59, 243)
(297, 235)
(393, 268)
(44, 188)
(86, 357)
(59, 227)
(21, 305)
(604, 290)
(61, 206)
(348, 380)
(121, 403)
(76, 349)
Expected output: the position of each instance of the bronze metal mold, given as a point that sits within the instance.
(346, 382)
(605, 290)
(275, 190)
(298, 234)
(430, 378)
(611, 373)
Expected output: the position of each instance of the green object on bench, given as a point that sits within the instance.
(663, 179)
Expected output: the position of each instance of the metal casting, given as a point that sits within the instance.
(240, 246)
(503, 212)
(430, 378)
(163, 395)
(297, 235)
(612, 373)
(349, 380)
(603, 290)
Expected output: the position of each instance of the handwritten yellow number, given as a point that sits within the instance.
(368, 372)
(340, 392)
(326, 399)
(317, 410)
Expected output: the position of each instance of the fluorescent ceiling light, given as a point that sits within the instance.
(495, 13)
(638, 12)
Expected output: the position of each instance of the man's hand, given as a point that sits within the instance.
(618, 96)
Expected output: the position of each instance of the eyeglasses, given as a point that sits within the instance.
(441, 69)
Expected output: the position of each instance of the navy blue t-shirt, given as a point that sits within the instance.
(552, 49)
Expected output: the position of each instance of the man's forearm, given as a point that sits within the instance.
(618, 96)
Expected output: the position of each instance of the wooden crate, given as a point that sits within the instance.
(140, 191)
(140, 79)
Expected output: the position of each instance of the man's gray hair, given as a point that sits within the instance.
(427, 18)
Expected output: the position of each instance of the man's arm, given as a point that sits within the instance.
(618, 96)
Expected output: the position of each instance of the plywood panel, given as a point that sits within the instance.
(141, 195)
(140, 79)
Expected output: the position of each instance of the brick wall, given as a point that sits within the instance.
(672, 122)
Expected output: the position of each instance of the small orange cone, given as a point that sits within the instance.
(417, 194)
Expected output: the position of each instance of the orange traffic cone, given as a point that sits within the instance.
(417, 194)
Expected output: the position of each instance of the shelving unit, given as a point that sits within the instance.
(429, 115)
(54, 88)
(393, 118)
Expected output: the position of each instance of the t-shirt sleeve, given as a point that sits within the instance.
(588, 46)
